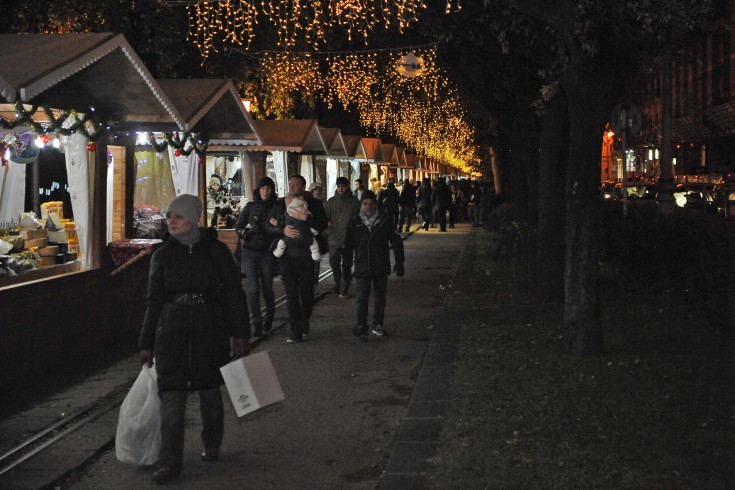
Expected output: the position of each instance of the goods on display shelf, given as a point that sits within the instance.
(52, 207)
(23, 250)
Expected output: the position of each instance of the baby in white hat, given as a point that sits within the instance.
(298, 207)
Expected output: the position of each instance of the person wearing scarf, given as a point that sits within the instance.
(195, 305)
(374, 234)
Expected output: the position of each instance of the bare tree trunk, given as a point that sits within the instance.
(553, 154)
(524, 162)
(588, 111)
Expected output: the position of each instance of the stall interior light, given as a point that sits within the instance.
(7, 154)
(143, 139)
(56, 143)
(650, 154)
(39, 142)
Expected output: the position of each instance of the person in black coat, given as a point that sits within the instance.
(297, 266)
(407, 201)
(374, 235)
(423, 202)
(441, 199)
(195, 303)
(255, 258)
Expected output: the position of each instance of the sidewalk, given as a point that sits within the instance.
(357, 415)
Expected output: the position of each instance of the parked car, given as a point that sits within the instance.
(724, 199)
(636, 191)
(698, 197)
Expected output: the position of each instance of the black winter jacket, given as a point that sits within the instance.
(252, 224)
(191, 342)
(372, 256)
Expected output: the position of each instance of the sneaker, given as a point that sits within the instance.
(343, 294)
(378, 330)
(363, 337)
(294, 339)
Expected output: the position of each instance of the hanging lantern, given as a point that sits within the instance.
(91, 147)
(177, 153)
(44, 138)
(410, 65)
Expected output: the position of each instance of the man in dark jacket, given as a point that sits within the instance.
(256, 259)
(297, 266)
(374, 234)
(340, 210)
(389, 200)
(441, 199)
(407, 201)
(195, 303)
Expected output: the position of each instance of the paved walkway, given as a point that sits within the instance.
(357, 415)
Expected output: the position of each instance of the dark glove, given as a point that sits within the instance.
(241, 345)
(398, 269)
(146, 357)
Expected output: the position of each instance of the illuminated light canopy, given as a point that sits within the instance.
(424, 112)
(235, 21)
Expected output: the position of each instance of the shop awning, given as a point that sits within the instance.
(297, 135)
(212, 107)
(85, 72)
(334, 142)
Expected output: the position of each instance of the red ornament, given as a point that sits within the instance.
(177, 153)
(91, 147)
(44, 138)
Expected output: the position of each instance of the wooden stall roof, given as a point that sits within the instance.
(297, 135)
(334, 142)
(213, 107)
(410, 161)
(373, 150)
(84, 72)
(389, 154)
(355, 148)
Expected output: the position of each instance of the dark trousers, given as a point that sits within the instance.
(259, 267)
(452, 215)
(340, 260)
(440, 217)
(425, 217)
(406, 217)
(298, 280)
(474, 214)
(362, 296)
(393, 214)
(173, 409)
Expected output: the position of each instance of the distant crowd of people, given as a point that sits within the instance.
(190, 339)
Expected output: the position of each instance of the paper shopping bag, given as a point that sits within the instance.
(252, 383)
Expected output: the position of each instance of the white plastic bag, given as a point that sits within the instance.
(138, 439)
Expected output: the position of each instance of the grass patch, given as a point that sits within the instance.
(657, 410)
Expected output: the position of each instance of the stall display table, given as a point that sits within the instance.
(123, 251)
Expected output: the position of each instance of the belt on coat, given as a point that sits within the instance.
(192, 298)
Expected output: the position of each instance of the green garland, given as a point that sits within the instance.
(79, 125)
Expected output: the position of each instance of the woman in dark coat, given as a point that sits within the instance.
(195, 303)
(257, 260)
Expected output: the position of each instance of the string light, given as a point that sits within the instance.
(424, 112)
(235, 21)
